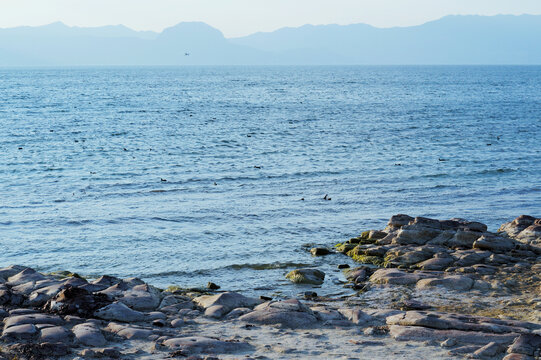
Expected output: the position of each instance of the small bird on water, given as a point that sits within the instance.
(326, 197)
(163, 180)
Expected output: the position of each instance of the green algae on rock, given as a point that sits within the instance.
(306, 276)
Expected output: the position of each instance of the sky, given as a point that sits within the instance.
(242, 17)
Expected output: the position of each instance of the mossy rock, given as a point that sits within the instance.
(63, 274)
(344, 248)
(357, 255)
(306, 276)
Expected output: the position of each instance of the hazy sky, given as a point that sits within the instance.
(242, 17)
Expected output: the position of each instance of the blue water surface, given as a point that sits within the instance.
(84, 152)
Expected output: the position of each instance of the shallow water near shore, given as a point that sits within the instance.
(84, 152)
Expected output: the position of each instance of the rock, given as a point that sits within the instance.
(419, 333)
(119, 312)
(358, 274)
(415, 235)
(56, 334)
(130, 332)
(198, 344)
(76, 301)
(222, 304)
(176, 323)
(356, 316)
(489, 351)
(142, 298)
(343, 266)
(10, 271)
(448, 343)
(216, 311)
(238, 312)
(495, 244)
(25, 276)
(20, 332)
(439, 264)
(464, 239)
(33, 351)
(33, 319)
(463, 350)
(317, 251)
(526, 344)
(306, 276)
(394, 277)
(516, 226)
(104, 353)
(531, 235)
(88, 334)
(397, 221)
(288, 313)
(452, 282)
(517, 357)
(445, 321)
(173, 300)
(212, 286)
(156, 315)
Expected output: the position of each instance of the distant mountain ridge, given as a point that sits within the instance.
(501, 39)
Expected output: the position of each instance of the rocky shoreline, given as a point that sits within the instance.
(424, 289)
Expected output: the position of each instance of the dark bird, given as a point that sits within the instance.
(489, 144)
(440, 159)
(326, 197)
(125, 149)
(257, 167)
(215, 183)
(163, 180)
(302, 199)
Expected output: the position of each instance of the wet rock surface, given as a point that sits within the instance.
(425, 289)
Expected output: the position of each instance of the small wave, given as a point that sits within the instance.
(204, 272)
(271, 266)
(495, 171)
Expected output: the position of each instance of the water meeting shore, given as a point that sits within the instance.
(421, 288)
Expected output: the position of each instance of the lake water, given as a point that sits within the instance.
(84, 152)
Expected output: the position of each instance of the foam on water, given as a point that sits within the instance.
(84, 152)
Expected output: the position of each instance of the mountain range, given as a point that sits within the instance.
(452, 40)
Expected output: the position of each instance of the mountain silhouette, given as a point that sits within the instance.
(501, 39)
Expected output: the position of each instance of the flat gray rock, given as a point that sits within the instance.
(20, 332)
(222, 304)
(394, 277)
(451, 282)
(56, 334)
(204, 345)
(289, 314)
(33, 319)
(419, 333)
(119, 312)
(88, 334)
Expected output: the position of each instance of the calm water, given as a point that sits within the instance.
(83, 152)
